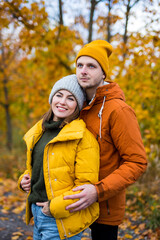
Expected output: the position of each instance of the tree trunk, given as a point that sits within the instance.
(60, 13)
(125, 36)
(90, 27)
(5, 105)
(60, 21)
(109, 22)
(8, 117)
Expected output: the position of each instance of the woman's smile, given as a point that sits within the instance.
(63, 104)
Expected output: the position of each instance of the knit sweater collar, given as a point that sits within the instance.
(51, 125)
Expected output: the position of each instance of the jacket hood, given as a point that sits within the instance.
(110, 90)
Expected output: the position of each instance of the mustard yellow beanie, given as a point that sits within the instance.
(100, 50)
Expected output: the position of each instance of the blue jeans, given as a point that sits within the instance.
(45, 227)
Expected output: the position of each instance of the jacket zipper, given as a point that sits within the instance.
(49, 174)
(107, 205)
(65, 235)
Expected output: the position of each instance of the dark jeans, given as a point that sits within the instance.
(103, 232)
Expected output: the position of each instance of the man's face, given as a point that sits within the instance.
(89, 73)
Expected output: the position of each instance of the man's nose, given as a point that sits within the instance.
(84, 70)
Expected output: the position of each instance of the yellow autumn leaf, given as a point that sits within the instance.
(28, 233)
(137, 231)
(142, 226)
(4, 218)
(85, 234)
(14, 237)
(128, 236)
(153, 207)
(18, 209)
(134, 226)
(29, 238)
(4, 211)
(17, 234)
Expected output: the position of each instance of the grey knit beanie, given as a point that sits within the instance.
(70, 84)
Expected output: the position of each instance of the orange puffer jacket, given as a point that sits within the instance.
(122, 154)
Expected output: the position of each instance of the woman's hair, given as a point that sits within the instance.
(49, 115)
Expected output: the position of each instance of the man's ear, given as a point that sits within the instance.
(104, 75)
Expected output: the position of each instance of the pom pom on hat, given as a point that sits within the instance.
(100, 50)
(70, 84)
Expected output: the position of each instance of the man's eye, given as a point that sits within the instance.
(79, 65)
(91, 66)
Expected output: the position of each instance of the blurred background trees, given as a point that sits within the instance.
(38, 44)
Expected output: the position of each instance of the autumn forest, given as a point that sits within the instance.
(39, 41)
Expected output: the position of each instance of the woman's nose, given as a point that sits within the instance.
(63, 100)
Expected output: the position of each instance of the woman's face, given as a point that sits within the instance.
(63, 104)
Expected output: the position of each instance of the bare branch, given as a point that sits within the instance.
(134, 3)
(2, 104)
(17, 15)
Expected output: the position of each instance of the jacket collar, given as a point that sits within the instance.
(71, 131)
(109, 91)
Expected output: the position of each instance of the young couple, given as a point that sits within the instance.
(88, 124)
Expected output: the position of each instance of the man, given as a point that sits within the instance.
(114, 124)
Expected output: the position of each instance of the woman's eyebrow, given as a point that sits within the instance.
(59, 92)
(70, 95)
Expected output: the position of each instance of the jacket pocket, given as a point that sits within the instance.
(46, 215)
(107, 206)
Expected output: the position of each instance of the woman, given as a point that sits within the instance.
(61, 154)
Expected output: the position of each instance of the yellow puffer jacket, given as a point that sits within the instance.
(70, 159)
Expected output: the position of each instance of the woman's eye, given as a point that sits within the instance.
(71, 99)
(58, 95)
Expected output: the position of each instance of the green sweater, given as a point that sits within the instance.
(38, 190)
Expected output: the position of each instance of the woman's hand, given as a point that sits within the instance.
(26, 183)
(46, 209)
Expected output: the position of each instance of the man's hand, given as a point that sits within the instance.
(45, 209)
(26, 183)
(87, 196)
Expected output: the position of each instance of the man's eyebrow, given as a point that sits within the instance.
(88, 63)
